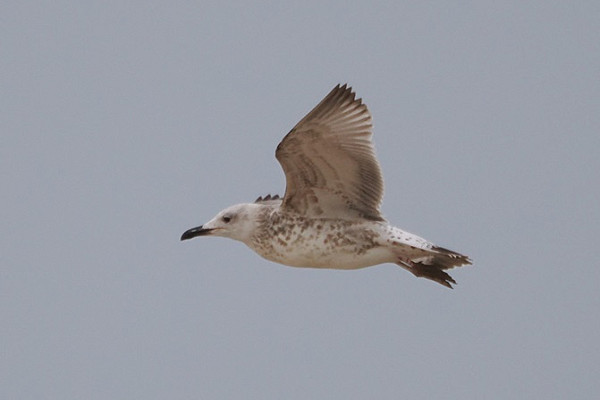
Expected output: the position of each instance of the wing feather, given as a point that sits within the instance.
(329, 161)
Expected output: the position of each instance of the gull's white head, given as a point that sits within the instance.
(236, 222)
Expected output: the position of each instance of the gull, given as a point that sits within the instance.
(329, 216)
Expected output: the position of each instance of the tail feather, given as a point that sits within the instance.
(448, 259)
(433, 265)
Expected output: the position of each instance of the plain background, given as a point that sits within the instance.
(125, 123)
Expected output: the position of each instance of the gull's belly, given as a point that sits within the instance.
(339, 259)
(326, 247)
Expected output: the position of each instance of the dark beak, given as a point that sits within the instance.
(192, 233)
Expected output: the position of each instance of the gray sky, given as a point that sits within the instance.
(124, 124)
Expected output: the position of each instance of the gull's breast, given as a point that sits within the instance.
(321, 243)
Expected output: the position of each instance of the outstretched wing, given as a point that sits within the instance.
(329, 161)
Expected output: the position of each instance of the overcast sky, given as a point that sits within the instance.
(125, 123)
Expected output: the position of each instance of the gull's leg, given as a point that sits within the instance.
(433, 272)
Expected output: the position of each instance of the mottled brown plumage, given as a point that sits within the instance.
(329, 216)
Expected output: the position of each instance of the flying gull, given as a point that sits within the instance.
(329, 216)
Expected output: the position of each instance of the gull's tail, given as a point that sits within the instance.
(433, 265)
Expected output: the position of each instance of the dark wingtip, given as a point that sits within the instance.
(268, 197)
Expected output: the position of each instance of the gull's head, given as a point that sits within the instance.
(236, 222)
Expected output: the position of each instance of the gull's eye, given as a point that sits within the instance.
(226, 219)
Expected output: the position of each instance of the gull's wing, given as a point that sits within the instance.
(329, 161)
